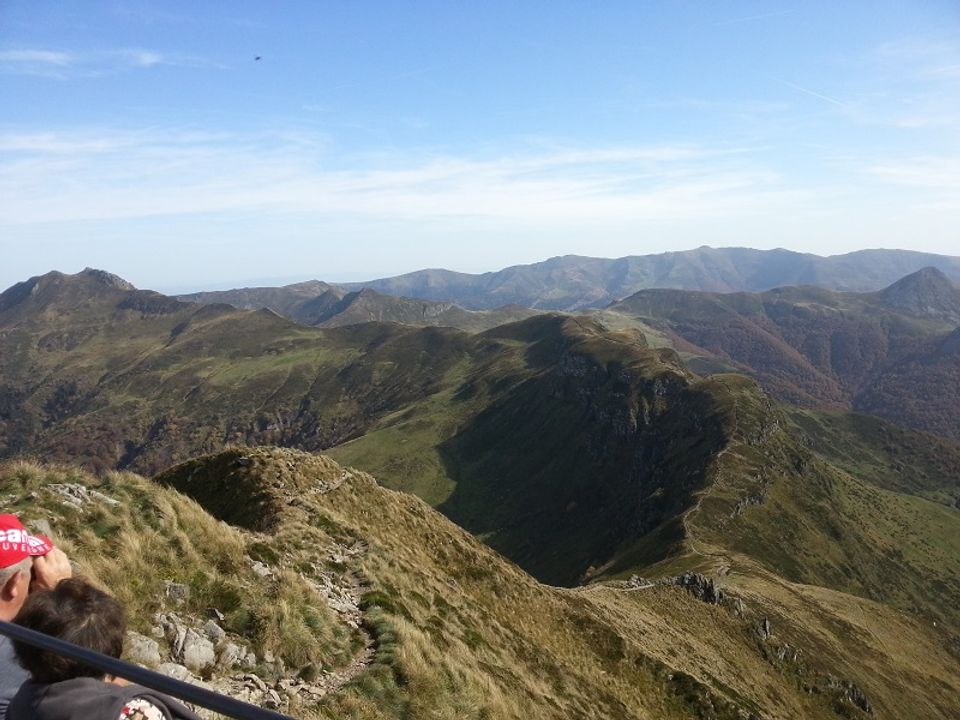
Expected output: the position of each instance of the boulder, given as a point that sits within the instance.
(214, 632)
(197, 652)
(177, 672)
(142, 650)
(231, 655)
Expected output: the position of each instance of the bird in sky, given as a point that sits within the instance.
(257, 58)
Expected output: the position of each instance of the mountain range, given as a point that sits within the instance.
(572, 282)
(893, 353)
(587, 458)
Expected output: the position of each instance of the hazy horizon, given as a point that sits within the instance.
(174, 288)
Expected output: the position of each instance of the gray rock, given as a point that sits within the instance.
(231, 655)
(178, 592)
(700, 586)
(271, 699)
(78, 495)
(198, 652)
(177, 672)
(177, 636)
(214, 632)
(765, 630)
(255, 681)
(141, 649)
(260, 569)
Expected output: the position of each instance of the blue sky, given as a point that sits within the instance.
(373, 138)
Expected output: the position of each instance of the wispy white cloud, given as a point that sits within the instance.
(936, 179)
(145, 58)
(938, 173)
(41, 57)
(36, 62)
(273, 196)
(913, 84)
(813, 93)
(945, 71)
(63, 65)
(913, 48)
(89, 176)
(757, 16)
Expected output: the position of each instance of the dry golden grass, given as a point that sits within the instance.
(461, 633)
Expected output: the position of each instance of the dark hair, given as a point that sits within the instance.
(77, 612)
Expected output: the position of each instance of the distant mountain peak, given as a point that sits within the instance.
(105, 278)
(924, 276)
(54, 286)
(317, 286)
(925, 293)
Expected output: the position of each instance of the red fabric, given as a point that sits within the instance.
(16, 543)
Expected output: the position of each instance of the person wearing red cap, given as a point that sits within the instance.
(27, 562)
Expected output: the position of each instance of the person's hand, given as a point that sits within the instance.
(50, 569)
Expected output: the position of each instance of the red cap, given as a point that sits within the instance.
(16, 543)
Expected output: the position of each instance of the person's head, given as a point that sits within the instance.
(17, 550)
(77, 612)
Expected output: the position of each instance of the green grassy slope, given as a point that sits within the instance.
(891, 457)
(114, 377)
(771, 498)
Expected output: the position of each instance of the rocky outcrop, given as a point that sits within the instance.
(700, 586)
(77, 495)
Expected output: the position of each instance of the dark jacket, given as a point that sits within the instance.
(12, 676)
(86, 698)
